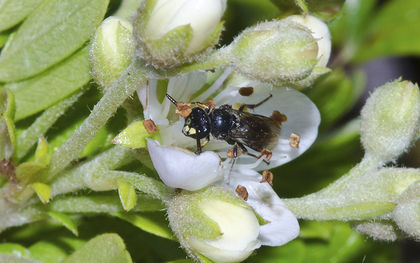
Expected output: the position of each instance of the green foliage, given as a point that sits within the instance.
(46, 89)
(127, 195)
(102, 249)
(56, 30)
(14, 11)
(367, 30)
(391, 31)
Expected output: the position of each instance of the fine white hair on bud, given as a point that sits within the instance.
(320, 32)
(378, 230)
(172, 32)
(214, 223)
(407, 213)
(278, 52)
(111, 50)
(391, 119)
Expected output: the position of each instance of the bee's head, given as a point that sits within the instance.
(197, 124)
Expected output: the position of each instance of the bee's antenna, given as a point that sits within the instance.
(171, 99)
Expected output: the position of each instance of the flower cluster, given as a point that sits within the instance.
(181, 168)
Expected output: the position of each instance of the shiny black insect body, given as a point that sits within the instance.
(237, 127)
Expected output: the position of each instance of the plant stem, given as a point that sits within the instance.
(334, 203)
(142, 183)
(74, 179)
(129, 81)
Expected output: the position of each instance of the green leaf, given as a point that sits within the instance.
(3, 39)
(43, 191)
(314, 229)
(42, 154)
(151, 223)
(15, 249)
(38, 93)
(294, 251)
(135, 135)
(344, 244)
(392, 31)
(14, 11)
(106, 248)
(244, 13)
(7, 127)
(101, 204)
(51, 33)
(41, 125)
(47, 252)
(350, 27)
(65, 220)
(127, 195)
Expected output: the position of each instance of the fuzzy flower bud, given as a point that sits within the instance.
(407, 212)
(321, 34)
(277, 52)
(172, 32)
(214, 223)
(111, 50)
(390, 119)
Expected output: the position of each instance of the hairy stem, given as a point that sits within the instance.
(74, 179)
(129, 81)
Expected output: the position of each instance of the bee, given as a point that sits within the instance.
(237, 127)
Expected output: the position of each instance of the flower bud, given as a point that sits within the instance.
(378, 230)
(277, 52)
(390, 120)
(407, 212)
(214, 223)
(320, 33)
(172, 32)
(111, 50)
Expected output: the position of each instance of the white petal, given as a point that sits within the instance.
(181, 169)
(303, 118)
(283, 225)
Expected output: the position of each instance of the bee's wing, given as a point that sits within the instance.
(255, 131)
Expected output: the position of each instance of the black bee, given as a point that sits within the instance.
(237, 127)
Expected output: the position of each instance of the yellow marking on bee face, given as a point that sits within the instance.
(192, 131)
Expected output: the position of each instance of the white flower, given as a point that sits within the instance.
(302, 115)
(202, 15)
(180, 168)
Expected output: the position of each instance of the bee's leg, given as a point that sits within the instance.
(198, 146)
(253, 106)
(235, 155)
(244, 150)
